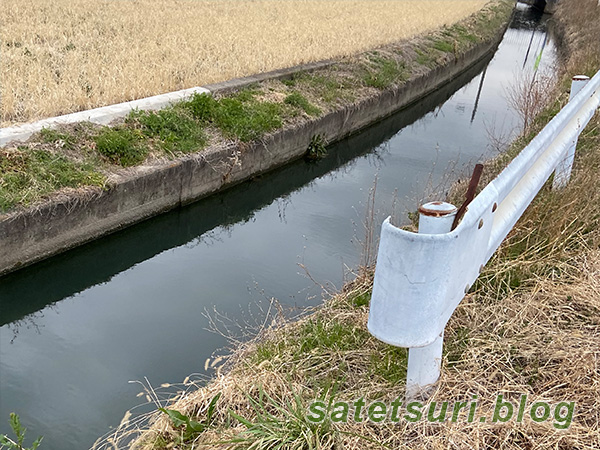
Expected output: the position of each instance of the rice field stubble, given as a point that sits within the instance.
(61, 56)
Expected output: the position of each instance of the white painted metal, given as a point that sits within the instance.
(102, 116)
(436, 217)
(424, 362)
(421, 278)
(562, 174)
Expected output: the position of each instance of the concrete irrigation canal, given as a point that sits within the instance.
(76, 328)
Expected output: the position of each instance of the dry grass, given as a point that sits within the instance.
(60, 56)
(581, 29)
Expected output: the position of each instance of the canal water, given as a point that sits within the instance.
(77, 328)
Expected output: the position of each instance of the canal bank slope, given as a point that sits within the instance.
(530, 326)
(290, 114)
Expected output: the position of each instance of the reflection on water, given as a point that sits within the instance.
(76, 328)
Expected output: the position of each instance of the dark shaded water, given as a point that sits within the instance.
(76, 328)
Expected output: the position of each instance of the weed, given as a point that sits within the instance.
(121, 146)
(313, 335)
(327, 88)
(382, 73)
(529, 96)
(202, 106)
(297, 100)
(425, 58)
(49, 135)
(176, 130)
(444, 46)
(333, 335)
(390, 364)
(247, 120)
(19, 431)
(240, 116)
(190, 428)
(26, 176)
(317, 148)
(290, 82)
(281, 424)
(457, 341)
(361, 300)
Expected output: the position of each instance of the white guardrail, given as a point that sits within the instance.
(420, 278)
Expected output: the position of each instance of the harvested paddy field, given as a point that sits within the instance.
(61, 56)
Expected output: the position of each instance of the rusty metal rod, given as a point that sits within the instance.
(471, 191)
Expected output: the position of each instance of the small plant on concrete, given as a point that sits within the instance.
(317, 148)
(19, 431)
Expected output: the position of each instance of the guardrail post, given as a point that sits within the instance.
(562, 174)
(424, 362)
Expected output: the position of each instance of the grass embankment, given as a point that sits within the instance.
(92, 153)
(61, 56)
(530, 325)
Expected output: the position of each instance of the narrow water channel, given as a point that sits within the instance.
(76, 328)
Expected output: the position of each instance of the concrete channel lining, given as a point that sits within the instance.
(55, 226)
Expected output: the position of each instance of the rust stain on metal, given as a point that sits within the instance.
(470, 193)
(435, 212)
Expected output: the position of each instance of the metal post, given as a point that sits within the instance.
(424, 362)
(562, 174)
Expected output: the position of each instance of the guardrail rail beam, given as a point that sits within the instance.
(421, 278)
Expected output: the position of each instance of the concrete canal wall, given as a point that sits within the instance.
(31, 235)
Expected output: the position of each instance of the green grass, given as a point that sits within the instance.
(382, 72)
(241, 116)
(297, 100)
(326, 87)
(425, 58)
(68, 140)
(319, 335)
(443, 46)
(27, 176)
(121, 146)
(361, 300)
(174, 128)
(390, 364)
(314, 335)
(280, 424)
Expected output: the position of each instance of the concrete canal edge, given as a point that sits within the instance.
(37, 233)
